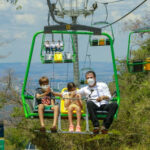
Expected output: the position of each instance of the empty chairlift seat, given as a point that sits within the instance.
(137, 65)
(68, 57)
(58, 57)
(48, 57)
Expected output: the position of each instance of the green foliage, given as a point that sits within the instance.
(2, 102)
(143, 52)
(18, 141)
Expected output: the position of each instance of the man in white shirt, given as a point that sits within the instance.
(98, 96)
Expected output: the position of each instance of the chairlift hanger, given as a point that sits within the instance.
(115, 1)
(53, 56)
(107, 23)
(52, 14)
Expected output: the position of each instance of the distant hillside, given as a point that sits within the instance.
(103, 70)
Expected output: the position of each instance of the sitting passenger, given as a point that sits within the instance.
(58, 45)
(53, 46)
(98, 96)
(72, 105)
(47, 46)
(44, 98)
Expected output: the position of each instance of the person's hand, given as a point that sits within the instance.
(99, 99)
(72, 93)
(48, 90)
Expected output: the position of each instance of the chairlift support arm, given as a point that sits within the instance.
(74, 27)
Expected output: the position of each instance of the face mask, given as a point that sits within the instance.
(90, 81)
(44, 87)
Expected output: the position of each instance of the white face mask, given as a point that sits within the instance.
(90, 81)
(44, 87)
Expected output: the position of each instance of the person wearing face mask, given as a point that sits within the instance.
(98, 96)
(44, 98)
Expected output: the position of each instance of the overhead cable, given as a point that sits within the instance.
(111, 2)
(125, 14)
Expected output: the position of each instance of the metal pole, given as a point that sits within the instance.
(76, 63)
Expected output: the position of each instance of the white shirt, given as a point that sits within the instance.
(58, 45)
(47, 45)
(92, 93)
(52, 45)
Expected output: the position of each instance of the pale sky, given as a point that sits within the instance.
(17, 28)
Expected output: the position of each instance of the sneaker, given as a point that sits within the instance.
(96, 130)
(71, 128)
(42, 129)
(104, 130)
(53, 129)
(78, 129)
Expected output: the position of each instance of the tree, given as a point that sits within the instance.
(137, 23)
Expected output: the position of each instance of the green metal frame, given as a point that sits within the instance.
(42, 48)
(26, 97)
(131, 64)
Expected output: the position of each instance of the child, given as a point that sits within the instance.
(43, 97)
(72, 105)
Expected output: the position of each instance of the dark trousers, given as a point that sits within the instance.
(110, 108)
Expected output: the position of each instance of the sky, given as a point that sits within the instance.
(17, 27)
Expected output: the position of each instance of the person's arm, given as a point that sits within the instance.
(106, 93)
(67, 101)
(52, 102)
(43, 94)
(56, 94)
(80, 91)
(102, 98)
(79, 101)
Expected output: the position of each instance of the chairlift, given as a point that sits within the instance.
(31, 112)
(98, 41)
(140, 64)
(53, 51)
